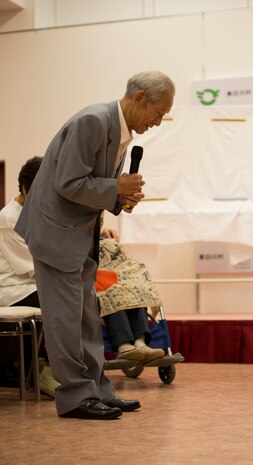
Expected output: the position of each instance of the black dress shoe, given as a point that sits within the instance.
(124, 405)
(93, 409)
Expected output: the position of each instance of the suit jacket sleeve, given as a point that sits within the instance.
(81, 165)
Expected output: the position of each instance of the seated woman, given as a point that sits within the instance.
(17, 280)
(124, 300)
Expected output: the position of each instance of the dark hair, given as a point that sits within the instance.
(28, 173)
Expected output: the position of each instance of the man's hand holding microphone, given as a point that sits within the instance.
(130, 185)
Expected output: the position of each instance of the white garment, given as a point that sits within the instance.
(17, 279)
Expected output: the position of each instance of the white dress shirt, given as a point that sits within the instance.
(125, 137)
(17, 279)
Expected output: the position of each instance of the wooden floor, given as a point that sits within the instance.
(204, 417)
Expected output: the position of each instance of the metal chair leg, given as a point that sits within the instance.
(21, 362)
(40, 338)
(35, 360)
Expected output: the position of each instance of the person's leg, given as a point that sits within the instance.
(119, 329)
(138, 321)
(31, 300)
(93, 347)
(70, 316)
(46, 379)
(121, 333)
(92, 337)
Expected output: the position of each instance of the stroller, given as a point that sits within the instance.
(160, 338)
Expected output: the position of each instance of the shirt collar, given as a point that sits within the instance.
(125, 135)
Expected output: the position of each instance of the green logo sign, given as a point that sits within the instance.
(208, 96)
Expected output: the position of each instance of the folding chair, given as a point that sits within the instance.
(19, 316)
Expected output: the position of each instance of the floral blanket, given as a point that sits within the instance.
(128, 283)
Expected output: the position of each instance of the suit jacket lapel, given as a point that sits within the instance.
(113, 139)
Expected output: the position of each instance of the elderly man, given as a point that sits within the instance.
(80, 176)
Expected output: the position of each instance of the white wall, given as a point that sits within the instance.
(47, 75)
(38, 14)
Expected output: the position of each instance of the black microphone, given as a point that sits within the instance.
(136, 156)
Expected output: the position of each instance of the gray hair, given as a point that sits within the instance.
(154, 83)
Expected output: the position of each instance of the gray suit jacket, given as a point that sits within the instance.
(74, 183)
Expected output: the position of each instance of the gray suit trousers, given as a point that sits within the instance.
(73, 334)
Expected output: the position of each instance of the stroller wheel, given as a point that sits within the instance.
(167, 374)
(133, 372)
